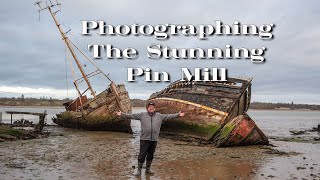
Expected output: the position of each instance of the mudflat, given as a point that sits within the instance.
(75, 154)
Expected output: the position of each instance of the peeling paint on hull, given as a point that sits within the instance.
(209, 110)
(240, 131)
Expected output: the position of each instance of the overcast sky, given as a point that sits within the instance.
(33, 59)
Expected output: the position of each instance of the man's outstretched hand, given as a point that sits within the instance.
(181, 113)
(118, 113)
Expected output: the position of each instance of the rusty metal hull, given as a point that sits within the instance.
(99, 113)
(208, 107)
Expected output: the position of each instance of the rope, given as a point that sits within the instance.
(82, 51)
(90, 60)
(72, 70)
(65, 60)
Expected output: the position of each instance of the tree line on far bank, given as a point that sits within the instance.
(48, 101)
(22, 101)
(291, 106)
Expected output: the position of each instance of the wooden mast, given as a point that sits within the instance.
(67, 42)
(65, 38)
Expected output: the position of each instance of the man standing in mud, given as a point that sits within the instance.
(150, 128)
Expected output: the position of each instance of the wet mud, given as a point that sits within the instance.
(74, 154)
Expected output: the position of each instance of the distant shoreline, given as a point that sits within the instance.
(57, 103)
(282, 110)
(53, 107)
(139, 107)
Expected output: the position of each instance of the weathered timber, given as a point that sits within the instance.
(39, 127)
(75, 104)
(84, 113)
(99, 112)
(208, 107)
(20, 112)
(240, 131)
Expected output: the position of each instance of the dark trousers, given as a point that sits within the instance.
(147, 149)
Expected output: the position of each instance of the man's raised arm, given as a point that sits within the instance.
(171, 116)
(129, 116)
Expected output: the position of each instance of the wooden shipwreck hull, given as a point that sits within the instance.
(240, 131)
(97, 113)
(209, 107)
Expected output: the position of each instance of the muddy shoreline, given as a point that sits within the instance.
(8, 133)
(110, 155)
(74, 154)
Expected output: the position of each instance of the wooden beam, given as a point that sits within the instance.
(19, 112)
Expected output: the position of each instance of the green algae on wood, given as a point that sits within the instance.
(86, 122)
(223, 133)
(206, 131)
(9, 133)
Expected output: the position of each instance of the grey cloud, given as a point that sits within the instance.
(32, 52)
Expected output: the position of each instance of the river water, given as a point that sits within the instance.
(74, 154)
(272, 122)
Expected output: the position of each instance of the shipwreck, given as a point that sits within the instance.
(98, 111)
(215, 112)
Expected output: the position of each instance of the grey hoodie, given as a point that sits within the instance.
(150, 125)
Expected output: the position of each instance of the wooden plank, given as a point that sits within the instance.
(19, 112)
(220, 85)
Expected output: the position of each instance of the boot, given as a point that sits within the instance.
(138, 170)
(148, 168)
